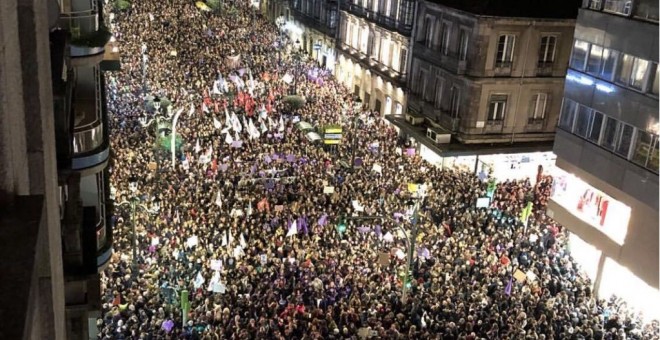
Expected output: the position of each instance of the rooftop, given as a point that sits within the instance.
(542, 9)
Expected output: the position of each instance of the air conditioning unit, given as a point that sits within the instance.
(414, 119)
(439, 136)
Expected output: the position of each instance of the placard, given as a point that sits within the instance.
(384, 259)
(329, 190)
(520, 276)
(279, 208)
(377, 168)
(152, 166)
(216, 264)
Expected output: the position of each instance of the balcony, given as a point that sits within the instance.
(388, 73)
(378, 18)
(90, 138)
(503, 68)
(436, 116)
(450, 62)
(62, 91)
(309, 20)
(544, 68)
(88, 35)
(535, 124)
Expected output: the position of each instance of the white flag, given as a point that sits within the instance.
(192, 109)
(225, 130)
(242, 241)
(214, 280)
(229, 139)
(199, 280)
(253, 130)
(216, 123)
(236, 124)
(264, 129)
(198, 147)
(388, 237)
(237, 137)
(271, 123)
(216, 90)
(227, 118)
(224, 239)
(218, 199)
(293, 229)
(281, 127)
(249, 209)
(204, 108)
(230, 239)
(251, 83)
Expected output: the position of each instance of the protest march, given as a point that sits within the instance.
(263, 233)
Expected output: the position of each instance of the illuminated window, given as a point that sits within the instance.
(595, 60)
(497, 107)
(618, 6)
(579, 56)
(625, 69)
(595, 127)
(595, 4)
(567, 114)
(645, 151)
(539, 103)
(399, 108)
(609, 63)
(639, 69)
(547, 49)
(505, 47)
(384, 51)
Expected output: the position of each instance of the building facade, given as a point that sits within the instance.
(60, 149)
(314, 25)
(606, 188)
(374, 51)
(490, 78)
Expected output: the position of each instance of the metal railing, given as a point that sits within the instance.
(378, 18)
(90, 136)
(81, 22)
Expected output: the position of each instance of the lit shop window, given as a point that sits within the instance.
(592, 206)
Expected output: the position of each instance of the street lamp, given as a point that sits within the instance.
(412, 239)
(134, 203)
(357, 109)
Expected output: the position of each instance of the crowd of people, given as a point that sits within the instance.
(274, 237)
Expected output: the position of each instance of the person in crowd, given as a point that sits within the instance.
(274, 237)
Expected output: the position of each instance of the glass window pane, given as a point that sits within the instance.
(582, 121)
(609, 62)
(625, 138)
(640, 67)
(610, 133)
(656, 76)
(579, 57)
(595, 59)
(567, 114)
(596, 125)
(643, 144)
(625, 69)
(653, 157)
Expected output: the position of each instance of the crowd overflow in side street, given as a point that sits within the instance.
(255, 231)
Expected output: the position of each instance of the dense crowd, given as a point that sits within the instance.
(262, 233)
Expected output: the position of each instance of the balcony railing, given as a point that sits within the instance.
(378, 18)
(314, 22)
(90, 136)
(450, 61)
(544, 68)
(374, 64)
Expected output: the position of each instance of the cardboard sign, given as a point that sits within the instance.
(216, 264)
(329, 190)
(152, 166)
(520, 276)
(377, 168)
(192, 241)
(263, 259)
(384, 259)
(279, 208)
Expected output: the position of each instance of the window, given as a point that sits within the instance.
(639, 69)
(624, 139)
(547, 50)
(399, 108)
(610, 133)
(567, 114)
(388, 105)
(582, 121)
(656, 75)
(595, 4)
(455, 103)
(595, 60)
(644, 144)
(384, 51)
(463, 45)
(625, 69)
(497, 107)
(428, 34)
(596, 126)
(438, 92)
(403, 60)
(579, 56)
(446, 34)
(505, 48)
(539, 102)
(618, 6)
(609, 63)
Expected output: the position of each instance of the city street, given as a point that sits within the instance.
(239, 223)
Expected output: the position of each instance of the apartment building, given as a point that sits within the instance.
(313, 26)
(374, 51)
(54, 157)
(606, 185)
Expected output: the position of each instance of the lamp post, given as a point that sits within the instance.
(158, 117)
(135, 203)
(296, 56)
(145, 58)
(357, 110)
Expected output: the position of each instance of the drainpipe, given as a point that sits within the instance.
(522, 78)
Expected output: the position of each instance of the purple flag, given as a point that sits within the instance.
(323, 220)
(168, 325)
(267, 160)
(275, 156)
(223, 167)
(398, 215)
(509, 286)
(253, 169)
(236, 144)
(363, 229)
(377, 230)
(424, 252)
(290, 158)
